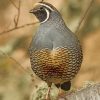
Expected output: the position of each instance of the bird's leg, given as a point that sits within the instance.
(61, 92)
(48, 92)
(59, 88)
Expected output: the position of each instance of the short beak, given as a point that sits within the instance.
(31, 11)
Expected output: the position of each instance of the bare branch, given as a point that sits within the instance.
(42, 0)
(84, 16)
(13, 4)
(18, 27)
(7, 26)
(20, 66)
(17, 20)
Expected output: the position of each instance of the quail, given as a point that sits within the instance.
(55, 51)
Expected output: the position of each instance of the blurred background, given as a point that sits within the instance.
(15, 69)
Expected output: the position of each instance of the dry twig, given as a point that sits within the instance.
(13, 4)
(18, 27)
(84, 16)
(16, 20)
(20, 66)
(42, 0)
(18, 15)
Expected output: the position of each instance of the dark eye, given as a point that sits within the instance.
(41, 8)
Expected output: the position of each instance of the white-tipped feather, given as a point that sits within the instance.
(44, 5)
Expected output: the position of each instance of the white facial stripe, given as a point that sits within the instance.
(48, 14)
(44, 5)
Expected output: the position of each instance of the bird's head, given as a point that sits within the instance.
(42, 11)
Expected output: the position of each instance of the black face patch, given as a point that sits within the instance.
(41, 14)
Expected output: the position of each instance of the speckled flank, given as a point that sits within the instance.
(56, 65)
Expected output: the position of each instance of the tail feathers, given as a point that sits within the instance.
(64, 86)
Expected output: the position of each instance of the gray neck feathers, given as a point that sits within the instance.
(54, 22)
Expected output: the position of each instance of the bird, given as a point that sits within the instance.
(55, 51)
